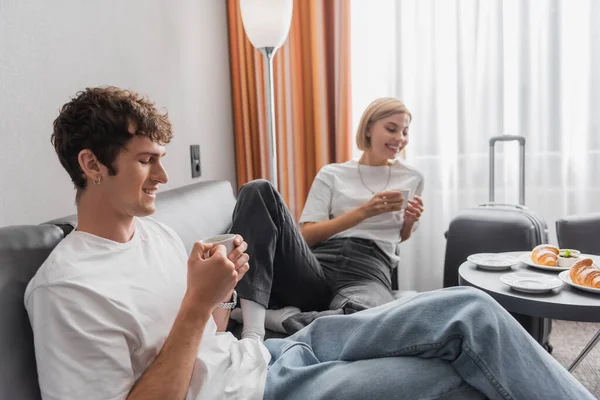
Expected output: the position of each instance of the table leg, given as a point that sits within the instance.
(585, 351)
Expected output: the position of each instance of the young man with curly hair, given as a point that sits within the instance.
(120, 311)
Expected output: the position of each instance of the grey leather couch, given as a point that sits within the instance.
(194, 212)
(22, 251)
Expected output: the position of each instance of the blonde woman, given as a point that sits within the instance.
(341, 258)
(356, 216)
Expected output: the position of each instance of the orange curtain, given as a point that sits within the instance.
(312, 97)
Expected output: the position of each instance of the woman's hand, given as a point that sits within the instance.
(413, 211)
(383, 202)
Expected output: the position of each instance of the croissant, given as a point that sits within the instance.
(545, 254)
(585, 272)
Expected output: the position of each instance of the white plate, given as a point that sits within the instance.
(526, 259)
(564, 276)
(531, 282)
(493, 261)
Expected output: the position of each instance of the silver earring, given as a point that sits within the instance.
(97, 181)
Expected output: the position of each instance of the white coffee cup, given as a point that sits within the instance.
(223, 240)
(405, 195)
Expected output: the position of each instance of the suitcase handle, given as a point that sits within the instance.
(508, 138)
(518, 206)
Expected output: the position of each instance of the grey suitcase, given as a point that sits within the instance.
(494, 227)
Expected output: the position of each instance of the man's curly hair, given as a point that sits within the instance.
(99, 119)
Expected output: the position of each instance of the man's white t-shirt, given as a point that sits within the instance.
(101, 311)
(338, 189)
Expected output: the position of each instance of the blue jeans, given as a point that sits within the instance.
(455, 343)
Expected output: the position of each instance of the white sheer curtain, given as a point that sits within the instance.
(469, 70)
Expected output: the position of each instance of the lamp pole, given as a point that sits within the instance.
(267, 23)
(268, 53)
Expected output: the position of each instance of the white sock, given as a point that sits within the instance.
(253, 317)
(274, 318)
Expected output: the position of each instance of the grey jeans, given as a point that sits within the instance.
(335, 277)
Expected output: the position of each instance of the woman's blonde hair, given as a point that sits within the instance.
(377, 110)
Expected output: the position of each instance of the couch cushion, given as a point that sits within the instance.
(196, 211)
(23, 249)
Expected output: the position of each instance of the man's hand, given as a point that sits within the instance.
(239, 257)
(240, 263)
(210, 280)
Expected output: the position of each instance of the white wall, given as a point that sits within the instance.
(175, 51)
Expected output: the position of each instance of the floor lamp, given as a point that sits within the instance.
(267, 23)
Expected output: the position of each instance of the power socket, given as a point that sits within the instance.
(195, 160)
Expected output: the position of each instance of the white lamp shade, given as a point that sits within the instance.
(266, 22)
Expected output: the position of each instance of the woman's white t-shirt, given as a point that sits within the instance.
(338, 189)
(102, 310)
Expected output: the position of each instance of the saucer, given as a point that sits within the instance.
(531, 282)
(493, 261)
